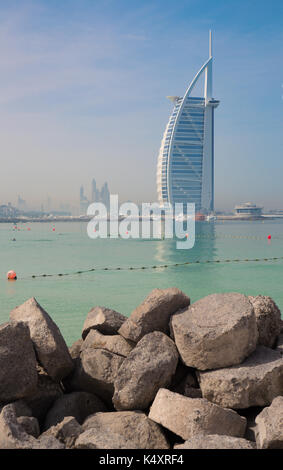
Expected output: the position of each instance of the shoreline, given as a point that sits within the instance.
(21, 220)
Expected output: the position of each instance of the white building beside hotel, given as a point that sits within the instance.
(185, 169)
(248, 210)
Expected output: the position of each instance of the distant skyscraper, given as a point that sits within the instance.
(83, 201)
(105, 195)
(185, 169)
(81, 193)
(21, 204)
(96, 196)
(94, 192)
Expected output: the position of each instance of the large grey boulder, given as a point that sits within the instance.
(103, 319)
(255, 382)
(188, 417)
(150, 365)
(76, 404)
(14, 436)
(47, 391)
(115, 344)
(217, 331)
(95, 372)
(134, 427)
(154, 313)
(216, 441)
(18, 376)
(268, 319)
(67, 431)
(49, 344)
(269, 430)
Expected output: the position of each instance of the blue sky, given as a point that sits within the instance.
(84, 85)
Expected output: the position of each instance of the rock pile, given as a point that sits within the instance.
(207, 375)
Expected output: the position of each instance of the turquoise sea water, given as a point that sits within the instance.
(68, 249)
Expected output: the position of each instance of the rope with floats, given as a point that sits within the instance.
(159, 266)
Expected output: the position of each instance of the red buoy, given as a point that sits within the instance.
(269, 237)
(11, 275)
(53, 229)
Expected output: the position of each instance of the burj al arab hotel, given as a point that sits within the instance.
(185, 169)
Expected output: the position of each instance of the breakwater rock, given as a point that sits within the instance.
(172, 375)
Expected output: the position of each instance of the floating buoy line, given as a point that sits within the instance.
(158, 266)
(163, 266)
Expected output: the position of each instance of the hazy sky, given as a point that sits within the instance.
(83, 86)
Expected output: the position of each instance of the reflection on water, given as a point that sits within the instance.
(204, 247)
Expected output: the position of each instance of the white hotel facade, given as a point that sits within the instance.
(185, 169)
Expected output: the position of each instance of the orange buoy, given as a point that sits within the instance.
(11, 276)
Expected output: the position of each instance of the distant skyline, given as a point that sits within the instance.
(84, 85)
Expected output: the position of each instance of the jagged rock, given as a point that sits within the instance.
(75, 349)
(91, 439)
(115, 344)
(30, 425)
(269, 429)
(67, 431)
(279, 344)
(14, 436)
(49, 344)
(217, 331)
(18, 377)
(48, 442)
(268, 319)
(154, 313)
(150, 365)
(45, 395)
(95, 372)
(76, 404)
(103, 319)
(134, 427)
(216, 441)
(188, 417)
(255, 382)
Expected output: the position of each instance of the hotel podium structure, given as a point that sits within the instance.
(185, 169)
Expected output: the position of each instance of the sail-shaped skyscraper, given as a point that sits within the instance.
(185, 169)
